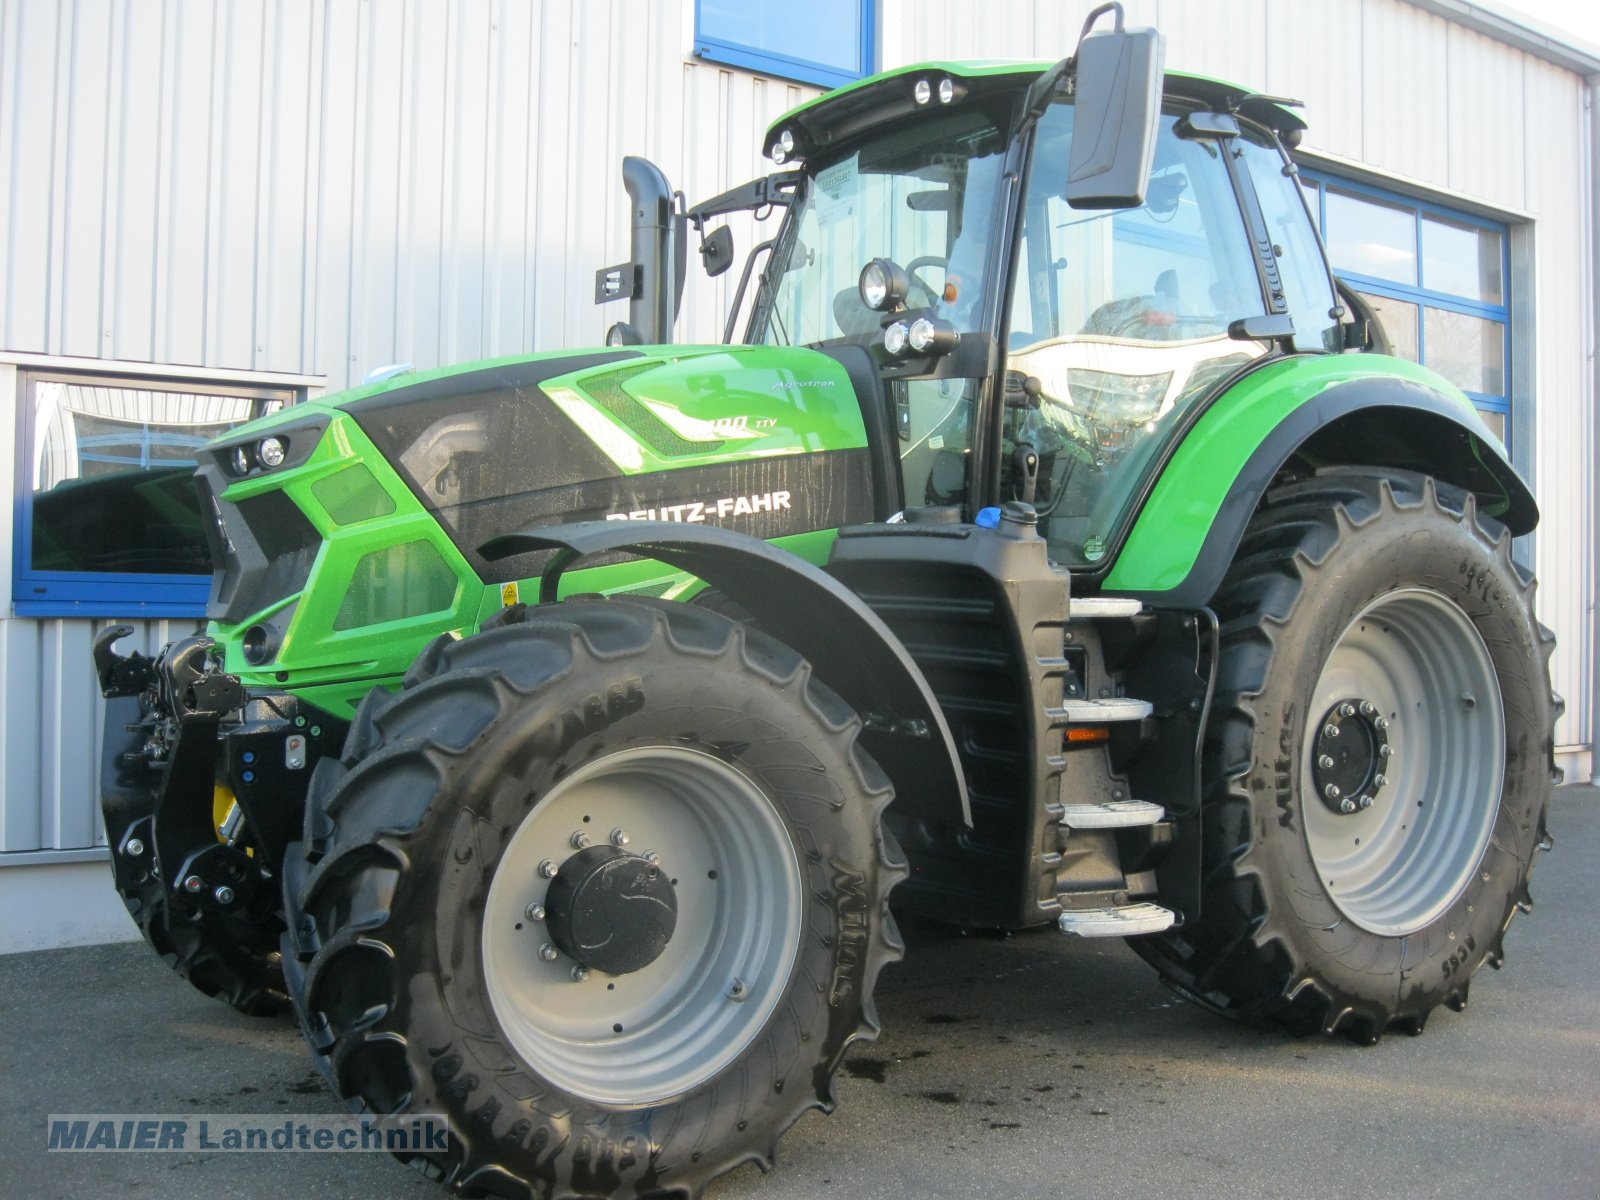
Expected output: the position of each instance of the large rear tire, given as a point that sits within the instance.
(606, 885)
(1378, 764)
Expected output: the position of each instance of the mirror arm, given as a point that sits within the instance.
(777, 190)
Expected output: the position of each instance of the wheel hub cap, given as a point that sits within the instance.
(611, 911)
(1349, 755)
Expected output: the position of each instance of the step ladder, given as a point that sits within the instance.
(1098, 712)
(1123, 920)
(1102, 608)
(1112, 814)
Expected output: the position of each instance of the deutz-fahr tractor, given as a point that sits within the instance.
(1056, 545)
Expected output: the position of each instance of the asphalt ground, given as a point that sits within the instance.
(1035, 1066)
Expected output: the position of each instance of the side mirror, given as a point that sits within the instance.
(1117, 110)
(716, 251)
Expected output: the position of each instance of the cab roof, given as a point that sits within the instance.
(844, 111)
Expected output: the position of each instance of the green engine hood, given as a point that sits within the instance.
(365, 541)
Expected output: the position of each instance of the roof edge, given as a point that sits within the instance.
(1520, 31)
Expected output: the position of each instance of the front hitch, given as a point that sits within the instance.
(120, 676)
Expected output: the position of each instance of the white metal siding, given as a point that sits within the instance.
(50, 737)
(322, 186)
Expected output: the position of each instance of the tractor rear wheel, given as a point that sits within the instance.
(606, 885)
(1378, 762)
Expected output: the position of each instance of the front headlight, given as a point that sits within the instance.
(272, 451)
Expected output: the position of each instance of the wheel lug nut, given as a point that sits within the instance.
(1325, 762)
(548, 869)
(579, 974)
(1385, 750)
(193, 884)
(1347, 709)
(223, 895)
(1364, 801)
(1366, 708)
(548, 952)
(535, 912)
(1382, 722)
(1347, 805)
(134, 847)
(579, 840)
(1379, 780)
(651, 857)
(1330, 729)
(619, 837)
(1331, 791)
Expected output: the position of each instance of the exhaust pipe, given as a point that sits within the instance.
(658, 239)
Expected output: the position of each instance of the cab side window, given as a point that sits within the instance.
(1119, 323)
(1294, 240)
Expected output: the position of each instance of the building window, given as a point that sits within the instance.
(1435, 277)
(824, 42)
(108, 521)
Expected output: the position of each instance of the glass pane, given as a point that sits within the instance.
(1119, 329)
(1305, 275)
(1313, 201)
(819, 31)
(1399, 321)
(1468, 351)
(1495, 420)
(1462, 259)
(112, 476)
(1369, 237)
(923, 195)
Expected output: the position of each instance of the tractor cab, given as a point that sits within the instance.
(1025, 344)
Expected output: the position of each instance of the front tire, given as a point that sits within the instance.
(1378, 764)
(605, 885)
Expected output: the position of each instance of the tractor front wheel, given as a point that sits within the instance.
(606, 886)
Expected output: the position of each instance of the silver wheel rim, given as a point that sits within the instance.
(1397, 866)
(658, 1032)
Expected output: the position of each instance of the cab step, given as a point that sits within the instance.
(1102, 608)
(1112, 814)
(1099, 712)
(1124, 920)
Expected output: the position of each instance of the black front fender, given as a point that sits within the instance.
(848, 646)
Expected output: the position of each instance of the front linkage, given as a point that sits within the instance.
(203, 783)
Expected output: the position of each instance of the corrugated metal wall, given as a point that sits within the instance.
(50, 737)
(324, 186)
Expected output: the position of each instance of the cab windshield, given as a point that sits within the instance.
(924, 195)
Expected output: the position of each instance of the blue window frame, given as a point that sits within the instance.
(1437, 277)
(107, 521)
(824, 42)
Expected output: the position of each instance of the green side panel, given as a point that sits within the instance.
(385, 580)
(643, 577)
(1171, 528)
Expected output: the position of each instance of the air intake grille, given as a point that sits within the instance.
(608, 392)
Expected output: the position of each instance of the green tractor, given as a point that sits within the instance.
(1056, 546)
